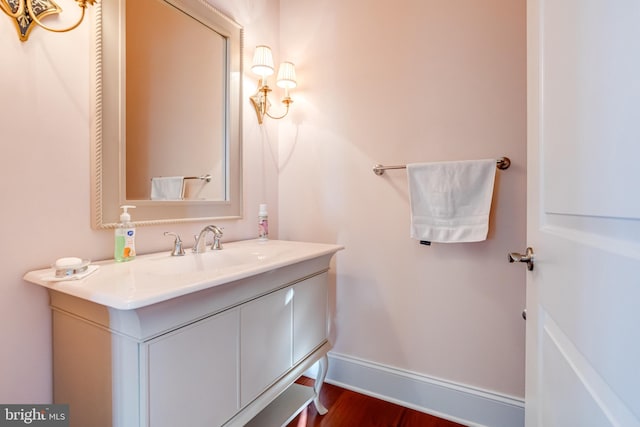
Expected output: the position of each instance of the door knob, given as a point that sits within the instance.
(527, 257)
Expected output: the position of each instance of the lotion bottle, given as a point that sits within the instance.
(125, 237)
(263, 223)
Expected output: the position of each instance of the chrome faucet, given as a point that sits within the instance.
(201, 239)
(177, 244)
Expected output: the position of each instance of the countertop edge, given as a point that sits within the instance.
(114, 302)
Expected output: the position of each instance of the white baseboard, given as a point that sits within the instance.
(456, 402)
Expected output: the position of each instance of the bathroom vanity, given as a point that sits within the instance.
(209, 339)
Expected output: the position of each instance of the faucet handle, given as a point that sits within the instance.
(216, 246)
(178, 250)
(216, 230)
(217, 235)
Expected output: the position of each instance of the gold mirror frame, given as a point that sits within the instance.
(108, 183)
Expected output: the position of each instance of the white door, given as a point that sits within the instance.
(583, 296)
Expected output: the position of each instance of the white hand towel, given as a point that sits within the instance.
(167, 188)
(450, 201)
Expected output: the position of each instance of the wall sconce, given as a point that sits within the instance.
(25, 13)
(263, 66)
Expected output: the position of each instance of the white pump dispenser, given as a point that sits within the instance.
(125, 237)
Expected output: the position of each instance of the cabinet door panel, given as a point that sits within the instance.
(309, 315)
(265, 342)
(193, 373)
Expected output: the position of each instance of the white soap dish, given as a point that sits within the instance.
(67, 267)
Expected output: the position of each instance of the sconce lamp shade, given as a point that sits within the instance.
(262, 61)
(287, 75)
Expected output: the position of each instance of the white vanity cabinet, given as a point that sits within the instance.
(221, 355)
(310, 320)
(192, 374)
(265, 342)
(278, 331)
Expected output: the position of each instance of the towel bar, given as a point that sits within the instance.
(502, 163)
(206, 177)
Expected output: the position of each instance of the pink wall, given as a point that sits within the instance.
(427, 80)
(411, 81)
(44, 117)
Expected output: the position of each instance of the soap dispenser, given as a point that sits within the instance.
(263, 222)
(125, 237)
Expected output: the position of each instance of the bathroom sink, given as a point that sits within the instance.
(157, 277)
(193, 263)
(237, 256)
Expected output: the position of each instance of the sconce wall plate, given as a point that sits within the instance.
(24, 23)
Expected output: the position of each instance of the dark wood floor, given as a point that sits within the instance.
(350, 409)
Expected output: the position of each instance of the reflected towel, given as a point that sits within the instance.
(450, 201)
(167, 188)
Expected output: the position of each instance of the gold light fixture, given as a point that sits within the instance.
(286, 79)
(25, 13)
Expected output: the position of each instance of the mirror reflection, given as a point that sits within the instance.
(166, 85)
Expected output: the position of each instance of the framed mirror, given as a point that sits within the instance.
(166, 128)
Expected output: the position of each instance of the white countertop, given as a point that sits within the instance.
(153, 278)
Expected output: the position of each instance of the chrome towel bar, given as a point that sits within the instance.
(206, 177)
(502, 163)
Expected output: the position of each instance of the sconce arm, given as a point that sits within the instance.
(286, 102)
(34, 16)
